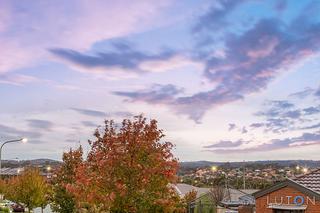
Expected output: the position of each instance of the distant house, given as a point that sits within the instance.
(230, 204)
(17, 171)
(237, 198)
(11, 171)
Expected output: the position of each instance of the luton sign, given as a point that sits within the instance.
(291, 200)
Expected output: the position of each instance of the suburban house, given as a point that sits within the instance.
(231, 202)
(298, 195)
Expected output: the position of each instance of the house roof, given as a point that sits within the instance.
(236, 194)
(233, 197)
(183, 189)
(310, 180)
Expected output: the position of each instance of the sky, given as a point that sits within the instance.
(227, 80)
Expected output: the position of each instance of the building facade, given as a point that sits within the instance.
(299, 195)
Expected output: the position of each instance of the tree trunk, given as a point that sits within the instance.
(41, 209)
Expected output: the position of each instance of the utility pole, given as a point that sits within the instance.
(244, 175)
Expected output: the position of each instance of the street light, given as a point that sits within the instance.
(23, 140)
(214, 168)
(305, 170)
(226, 179)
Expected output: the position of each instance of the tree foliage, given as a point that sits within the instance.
(30, 189)
(3, 186)
(128, 169)
(62, 200)
(190, 196)
(218, 194)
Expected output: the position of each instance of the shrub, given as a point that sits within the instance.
(4, 210)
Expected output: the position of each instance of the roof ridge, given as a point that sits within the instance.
(301, 184)
(306, 174)
(288, 182)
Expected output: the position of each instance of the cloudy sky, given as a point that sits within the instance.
(227, 80)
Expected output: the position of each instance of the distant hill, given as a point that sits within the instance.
(34, 162)
(281, 163)
(187, 165)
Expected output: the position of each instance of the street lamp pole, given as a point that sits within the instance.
(244, 175)
(226, 179)
(23, 140)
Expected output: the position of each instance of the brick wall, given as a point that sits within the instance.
(262, 206)
(245, 209)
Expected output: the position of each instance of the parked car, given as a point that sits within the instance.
(17, 208)
(8, 203)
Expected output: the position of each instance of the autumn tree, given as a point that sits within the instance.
(128, 169)
(30, 188)
(189, 197)
(62, 200)
(3, 187)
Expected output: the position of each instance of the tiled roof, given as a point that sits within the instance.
(183, 189)
(232, 194)
(310, 180)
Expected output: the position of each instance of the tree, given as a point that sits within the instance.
(62, 200)
(30, 189)
(3, 187)
(218, 193)
(189, 197)
(128, 169)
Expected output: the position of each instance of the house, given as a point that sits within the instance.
(233, 198)
(298, 195)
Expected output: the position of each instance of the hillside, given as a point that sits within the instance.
(280, 163)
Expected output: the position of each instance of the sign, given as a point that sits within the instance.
(298, 200)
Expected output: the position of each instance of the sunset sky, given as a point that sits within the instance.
(227, 80)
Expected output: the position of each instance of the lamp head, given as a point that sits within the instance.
(24, 140)
(305, 170)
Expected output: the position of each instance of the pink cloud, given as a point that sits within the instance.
(17, 79)
(31, 27)
(265, 48)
